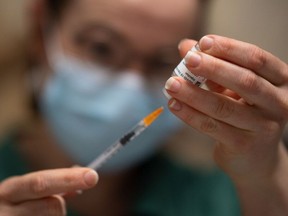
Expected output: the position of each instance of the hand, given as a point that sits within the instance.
(39, 193)
(245, 110)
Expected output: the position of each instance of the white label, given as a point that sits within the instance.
(182, 71)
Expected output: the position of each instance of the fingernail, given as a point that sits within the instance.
(166, 94)
(91, 178)
(181, 42)
(175, 105)
(206, 43)
(192, 59)
(196, 48)
(173, 85)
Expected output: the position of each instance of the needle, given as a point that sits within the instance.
(132, 134)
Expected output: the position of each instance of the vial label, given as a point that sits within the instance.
(182, 71)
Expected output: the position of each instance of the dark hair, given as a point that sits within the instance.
(55, 7)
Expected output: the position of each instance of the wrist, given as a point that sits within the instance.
(266, 195)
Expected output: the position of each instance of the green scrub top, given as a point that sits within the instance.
(171, 189)
(165, 188)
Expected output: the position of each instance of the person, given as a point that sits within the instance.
(100, 68)
(245, 111)
(80, 41)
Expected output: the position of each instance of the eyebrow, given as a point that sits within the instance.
(91, 27)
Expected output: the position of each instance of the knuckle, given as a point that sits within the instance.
(249, 81)
(208, 125)
(190, 99)
(213, 66)
(224, 109)
(224, 46)
(227, 47)
(189, 119)
(69, 179)
(38, 185)
(257, 58)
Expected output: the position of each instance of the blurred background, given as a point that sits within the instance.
(14, 41)
(262, 22)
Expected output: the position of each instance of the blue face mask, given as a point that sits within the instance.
(89, 107)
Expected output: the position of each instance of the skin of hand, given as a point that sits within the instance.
(43, 192)
(245, 111)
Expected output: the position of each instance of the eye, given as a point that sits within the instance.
(101, 51)
(102, 46)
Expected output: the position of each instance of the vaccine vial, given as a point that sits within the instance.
(182, 71)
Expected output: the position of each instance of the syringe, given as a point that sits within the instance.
(132, 134)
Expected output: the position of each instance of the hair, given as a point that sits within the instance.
(56, 7)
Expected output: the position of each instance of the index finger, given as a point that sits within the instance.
(46, 183)
(186, 45)
(246, 55)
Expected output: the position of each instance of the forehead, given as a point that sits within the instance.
(148, 21)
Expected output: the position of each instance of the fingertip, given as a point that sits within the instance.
(62, 202)
(175, 105)
(206, 43)
(185, 45)
(183, 41)
(91, 177)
